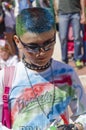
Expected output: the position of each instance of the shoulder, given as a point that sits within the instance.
(61, 68)
(61, 65)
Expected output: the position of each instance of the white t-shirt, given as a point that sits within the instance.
(37, 99)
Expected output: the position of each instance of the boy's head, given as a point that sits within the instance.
(35, 35)
(35, 20)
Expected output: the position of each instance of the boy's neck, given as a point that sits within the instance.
(35, 67)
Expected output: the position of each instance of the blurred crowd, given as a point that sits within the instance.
(8, 51)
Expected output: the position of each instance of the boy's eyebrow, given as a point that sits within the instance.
(49, 40)
(26, 44)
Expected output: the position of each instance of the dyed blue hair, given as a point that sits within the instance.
(37, 20)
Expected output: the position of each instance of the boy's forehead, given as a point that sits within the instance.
(34, 37)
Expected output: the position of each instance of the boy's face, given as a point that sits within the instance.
(37, 48)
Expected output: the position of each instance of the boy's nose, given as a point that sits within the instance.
(41, 52)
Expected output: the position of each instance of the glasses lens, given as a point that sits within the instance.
(49, 44)
(49, 47)
(33, 48)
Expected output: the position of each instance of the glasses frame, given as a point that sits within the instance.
(50, 44)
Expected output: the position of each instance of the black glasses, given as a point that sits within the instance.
(35, 48)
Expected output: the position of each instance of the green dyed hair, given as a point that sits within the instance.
(35, 20)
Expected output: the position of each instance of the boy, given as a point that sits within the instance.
(42, 88)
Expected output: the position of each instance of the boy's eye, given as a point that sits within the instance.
(34, 46)
(47, 43)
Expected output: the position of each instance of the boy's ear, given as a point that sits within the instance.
(17, 41)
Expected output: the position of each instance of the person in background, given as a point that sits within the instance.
(9, 20)
(6, 56)
(2, 22)
(9, 17)
(20, 5)
(42, 88)
(71, 12)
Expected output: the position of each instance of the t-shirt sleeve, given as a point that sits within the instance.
(78, 102)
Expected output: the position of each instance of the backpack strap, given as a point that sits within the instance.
(8, 77)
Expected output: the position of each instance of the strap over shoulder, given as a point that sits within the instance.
(6, 114)
(8, 75)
